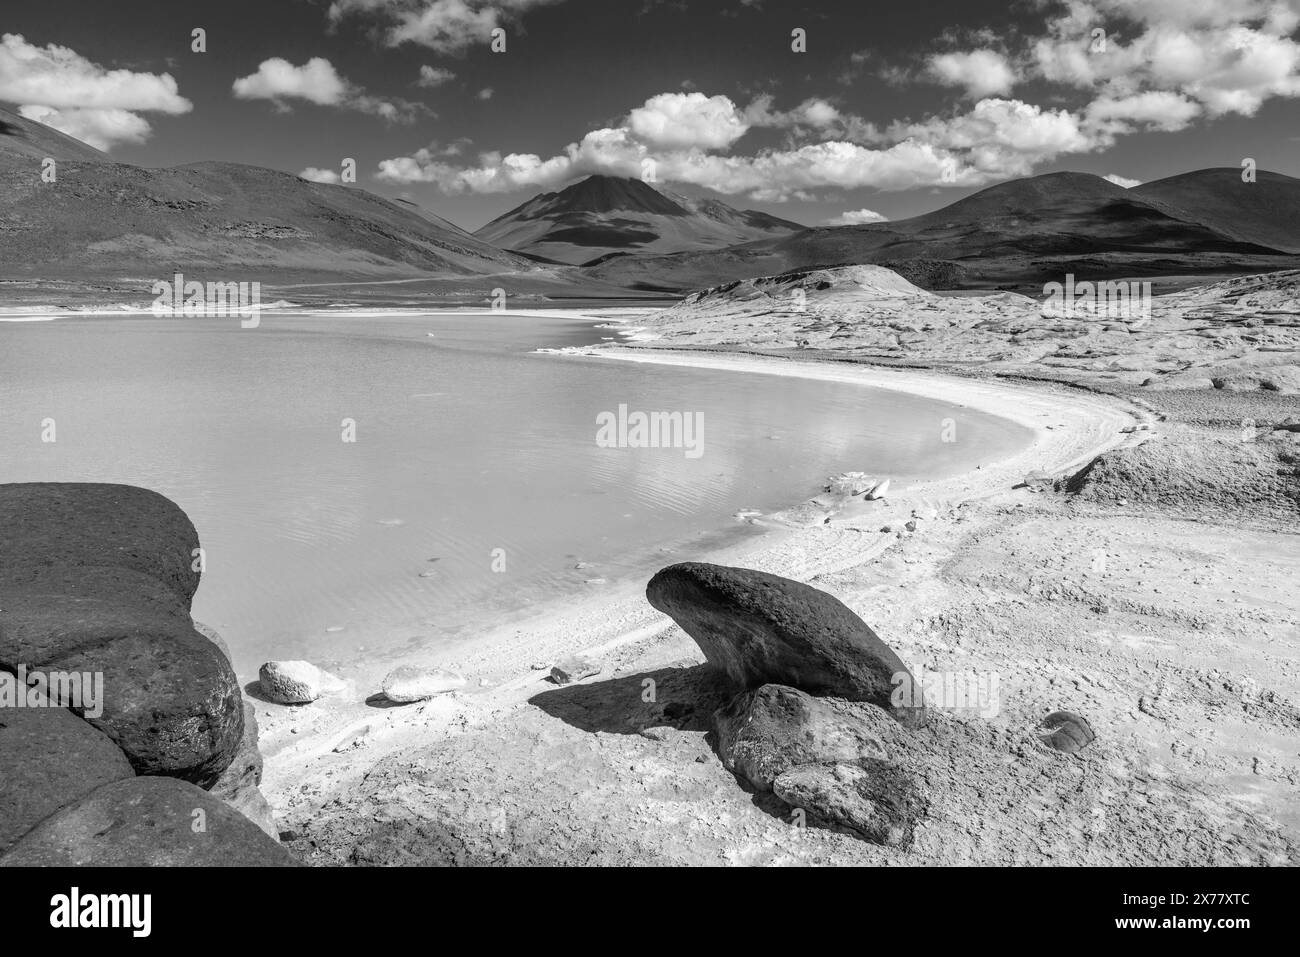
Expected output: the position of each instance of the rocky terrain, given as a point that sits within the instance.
(163, 766)
(1236, 334)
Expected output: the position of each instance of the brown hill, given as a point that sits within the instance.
(107, 219)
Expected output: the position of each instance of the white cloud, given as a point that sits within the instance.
(485, 93)
(857, 217)
(102, 129)
(685, 120)
(1154, 109)
(1228, 57)
(980, 73)
(435, 75)
(58, 77)
(685, 135)
(448, 26)
(1164, 65)
(316, 81)
(1122, 180)
(57, 86)
(1000, 138)
(315, 175)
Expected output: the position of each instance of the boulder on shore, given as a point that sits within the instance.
(147, 822)
(875, 800)
(49, 758)
(764, 629)
(78, 524)
(408, 684)
(170, 698)
(766, 732)
(296, 682)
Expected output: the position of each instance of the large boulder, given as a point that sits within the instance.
(875, 800)
(99, 578)
(76, 524)
(147, 822)
(171, 699)
(49, 758)
(765, 629)
(766, 732)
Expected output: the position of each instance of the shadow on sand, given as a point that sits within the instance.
(682, 698)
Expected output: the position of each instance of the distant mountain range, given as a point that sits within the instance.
(603, 237)
(1024, 232)
(605, 217)
(109, 219)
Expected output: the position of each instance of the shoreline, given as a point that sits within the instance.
(618, 623)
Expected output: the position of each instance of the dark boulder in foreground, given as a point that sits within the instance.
(171, 701)
(76, 524)
(98, 579)
(766, 732)
(875, 800)
(765, 629)
(147, 822)
(49, 758)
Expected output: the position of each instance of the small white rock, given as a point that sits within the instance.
(296, 682)
(407, 684)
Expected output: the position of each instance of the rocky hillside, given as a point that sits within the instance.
(1238, 335)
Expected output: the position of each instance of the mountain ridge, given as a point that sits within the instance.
(1018, 234)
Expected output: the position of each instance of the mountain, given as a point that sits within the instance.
(1022, 233)
(1266, 211)
(211, 221)
(604, 217)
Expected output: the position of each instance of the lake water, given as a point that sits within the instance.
(475, 483)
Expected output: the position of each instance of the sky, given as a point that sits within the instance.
(824, 113)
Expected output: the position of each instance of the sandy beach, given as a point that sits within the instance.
(396, 785)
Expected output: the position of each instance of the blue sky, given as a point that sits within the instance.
(892, 110)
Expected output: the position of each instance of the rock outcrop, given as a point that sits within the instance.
(766, 732)
(831, 759)
(764, 629)
(147, 822)
(876, 800)
(96, 582)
